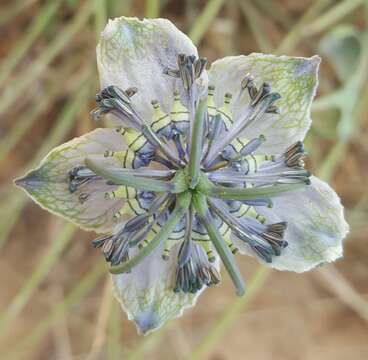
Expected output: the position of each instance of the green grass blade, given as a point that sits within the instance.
(297, 31)
(149, 343)
(332, 16)
(64, 124)
(152, 9)
(100, 10)
(203, 22)
(86, 284)
(29, 117)
(13, 10)
(38, 275)
(276, 12)
(15, 204)
(38, 25)
(25, 79)
(254, 21)
(114, 350)
(229, 316)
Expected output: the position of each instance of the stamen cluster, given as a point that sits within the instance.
(192, 181)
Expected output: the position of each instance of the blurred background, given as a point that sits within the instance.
(56, 300)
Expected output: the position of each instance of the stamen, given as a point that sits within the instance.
(186, 248)
(112, 92)
(225, 111)
(131, 91)
(259, 202)
(159, 159)
(80, 176)
(114, 247)
(212, 186)
(256, 95)
(248, 83)
(190, 68)
(83, 197)
(179, 115)
(199, 66)
(181, 206)
(179, 146)
(251, 146)
(295, 155)
(116, 101)
(186, 70)
(216, 128)
(251, 114)
(266, 241)
(262, 92)
(196, 272)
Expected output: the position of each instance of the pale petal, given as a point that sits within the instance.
(146, 294)
(295, 78)
(135, 53)
(48, 184)
(316, 227)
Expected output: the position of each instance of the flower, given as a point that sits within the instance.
(197, 166)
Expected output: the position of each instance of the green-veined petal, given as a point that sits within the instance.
(146, 293)
(294, 78)
(48, 184)
(315, 227)
(135, 53)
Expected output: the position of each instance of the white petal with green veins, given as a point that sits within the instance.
(146, 294)
(295, 78)
(316, 227)
(135, 53)
(48, 184)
